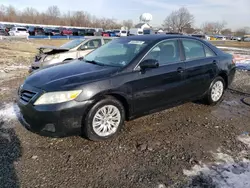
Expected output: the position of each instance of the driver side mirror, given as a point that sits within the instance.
(149, 64)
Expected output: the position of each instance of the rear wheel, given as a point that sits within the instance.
(215, 92)
(104, 120)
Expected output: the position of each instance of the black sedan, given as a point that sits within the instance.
(126, 78)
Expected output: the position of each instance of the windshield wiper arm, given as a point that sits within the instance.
(94, 62)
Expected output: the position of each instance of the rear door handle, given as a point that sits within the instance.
(180, 70)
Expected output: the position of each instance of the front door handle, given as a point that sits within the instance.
(180, 70)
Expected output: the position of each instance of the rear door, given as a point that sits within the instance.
(200, 67)
(158, 87)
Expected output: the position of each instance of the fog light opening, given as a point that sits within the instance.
(49, 127)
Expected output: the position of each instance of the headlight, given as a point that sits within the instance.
(57, 97)
(50, 57)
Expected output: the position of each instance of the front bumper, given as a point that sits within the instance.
(54, 120)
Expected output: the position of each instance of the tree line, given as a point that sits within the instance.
(53, 16)
(180, 20)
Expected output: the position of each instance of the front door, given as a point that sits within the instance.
(158, 87)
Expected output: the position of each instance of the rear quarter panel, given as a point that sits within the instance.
(227, 66)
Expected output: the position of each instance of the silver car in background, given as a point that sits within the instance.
(50, 55)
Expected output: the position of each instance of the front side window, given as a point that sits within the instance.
(166, 52)
(118, 52)
(193, 49)
(92, 44)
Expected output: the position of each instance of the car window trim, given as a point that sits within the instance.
(215, 55)
(136, 68)
(184, 54)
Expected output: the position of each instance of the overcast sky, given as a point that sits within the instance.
(235, 12)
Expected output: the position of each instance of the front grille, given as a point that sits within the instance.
(26, 96)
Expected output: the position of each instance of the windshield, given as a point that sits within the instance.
(140, 32)
(73, 43)
(118, 52)
(124, 31)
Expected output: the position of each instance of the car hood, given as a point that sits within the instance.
(52, 48)
(68, 76)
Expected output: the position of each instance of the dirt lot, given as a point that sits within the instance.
(192, 145)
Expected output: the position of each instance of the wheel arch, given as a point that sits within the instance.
(121, 98)
(224, 75)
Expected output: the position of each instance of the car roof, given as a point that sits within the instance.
(160, 37)
(98, 37)
(20, 27)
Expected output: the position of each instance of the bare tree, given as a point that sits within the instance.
(53, 16)
(11, 13)
(226, 32)
(29, 15)
(213, 27)
(52, 13)
(241, 32)
(128, 23)
(179, 20)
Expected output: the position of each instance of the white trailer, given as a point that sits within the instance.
(136, 31)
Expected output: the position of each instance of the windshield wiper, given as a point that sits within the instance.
(94, 62)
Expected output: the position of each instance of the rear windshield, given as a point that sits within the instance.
(55, 30)
(124, 32)
(21, 29)
(140, 32)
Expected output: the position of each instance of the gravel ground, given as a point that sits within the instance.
(192, 145)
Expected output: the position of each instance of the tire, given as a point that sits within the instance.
(214, 96)
(90, 130)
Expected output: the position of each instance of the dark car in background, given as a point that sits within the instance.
(90, 32)
(3, 30)
(51, 32)
(126, 78)
(33, 31)
(78, 32)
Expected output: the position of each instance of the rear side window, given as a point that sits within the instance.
(21, 29)
(209, 52)
(193, 49)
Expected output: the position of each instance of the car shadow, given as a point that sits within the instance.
(10, 152)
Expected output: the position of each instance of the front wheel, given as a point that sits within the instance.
(104, 120)
(215, 92)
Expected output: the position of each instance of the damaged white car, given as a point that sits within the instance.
(78, 48)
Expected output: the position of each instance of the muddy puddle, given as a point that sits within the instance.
(232, 107)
